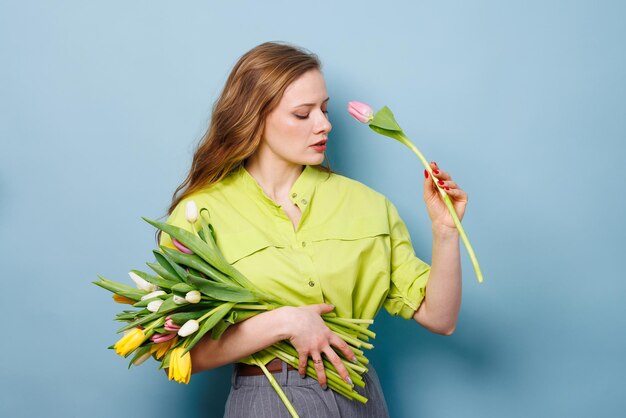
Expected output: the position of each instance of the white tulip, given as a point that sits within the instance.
(193, 296)
(153, 295)
(142, 359)
(141, 283)
(179, 300)
(189, 328)
(191, 212)
(155, 305)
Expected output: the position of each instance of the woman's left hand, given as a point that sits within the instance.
(437, 210)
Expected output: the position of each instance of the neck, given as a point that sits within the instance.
(276, 177)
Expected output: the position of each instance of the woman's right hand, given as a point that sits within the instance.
(311, 337)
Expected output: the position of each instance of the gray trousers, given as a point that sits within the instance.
(254, 397)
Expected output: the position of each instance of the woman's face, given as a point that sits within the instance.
(299, 122)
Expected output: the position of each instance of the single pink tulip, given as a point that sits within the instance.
(170, 325)
(360, 111)
(181, 247)
(161, 338)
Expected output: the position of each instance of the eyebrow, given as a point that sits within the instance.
(311, 104)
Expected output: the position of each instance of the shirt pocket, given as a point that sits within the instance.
(351, 229)
(238, 245)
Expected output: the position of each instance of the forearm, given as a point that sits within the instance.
(440, 309)
(239, 340)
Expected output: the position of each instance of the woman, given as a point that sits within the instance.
(319, 240)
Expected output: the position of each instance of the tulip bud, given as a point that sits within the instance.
(181, 247)
(188, 328)
(153, 294)
(141, 359)
(193, 296)
(141, 283)
(170, 325)
(360, 111)
(154, 305)
(179, 300)
(191, 211)
(161, 338)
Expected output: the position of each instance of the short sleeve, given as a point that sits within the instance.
(177, 218)
(409, 274)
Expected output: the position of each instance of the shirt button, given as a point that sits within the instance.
(303, 243)
(303, 201)
(294, 195)
(311, 283)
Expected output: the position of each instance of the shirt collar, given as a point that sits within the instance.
(300, 193)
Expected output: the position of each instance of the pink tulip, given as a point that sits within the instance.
(360, 111)
(170, 325)
(161, 338)
(181, 247)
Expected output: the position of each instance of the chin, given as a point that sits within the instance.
(316, 160)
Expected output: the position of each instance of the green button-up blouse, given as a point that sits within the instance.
(350, 249)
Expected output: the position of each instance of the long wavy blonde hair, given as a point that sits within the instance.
(253, 89)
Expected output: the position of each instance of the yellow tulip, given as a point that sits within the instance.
(180, 366)
(129, 342)
(123, 299)
(162, 348)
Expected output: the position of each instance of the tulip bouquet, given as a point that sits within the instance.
(195, 291)
(384, 123)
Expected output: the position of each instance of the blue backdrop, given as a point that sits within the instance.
(523, 102)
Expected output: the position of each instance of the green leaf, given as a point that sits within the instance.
(189, 240)
(156, 280)
(197, 263)
(140, 321)
(181, 317)
(158, 269)
(384, 119)
(181, 289)
(219, 313)
(221, 291)
(165, 363)
(219, 329)
(180, 272)
(243, 315)
(166, 266)
(138, 353)
(120, 289)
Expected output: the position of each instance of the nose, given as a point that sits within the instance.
(323, 124)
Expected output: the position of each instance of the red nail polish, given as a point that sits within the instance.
(436, 171)
(447, 188)
(425, 173)
(440, 182)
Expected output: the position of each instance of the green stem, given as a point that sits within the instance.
(406, 141)
(276, 387)
(348, 338)
(352, 326)
(265, 307)
(334, 381)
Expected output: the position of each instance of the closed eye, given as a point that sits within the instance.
(306, 116)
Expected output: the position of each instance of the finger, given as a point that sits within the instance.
(442, 175)
(430, 189)
(457, 194)
(448, 184)
(302, 361)
(319, 369)
(322, 308)
(339, 366)
(343, 347)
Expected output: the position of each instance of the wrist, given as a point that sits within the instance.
(284, 322)
(444, 231)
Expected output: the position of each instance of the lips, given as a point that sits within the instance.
(322, 142)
